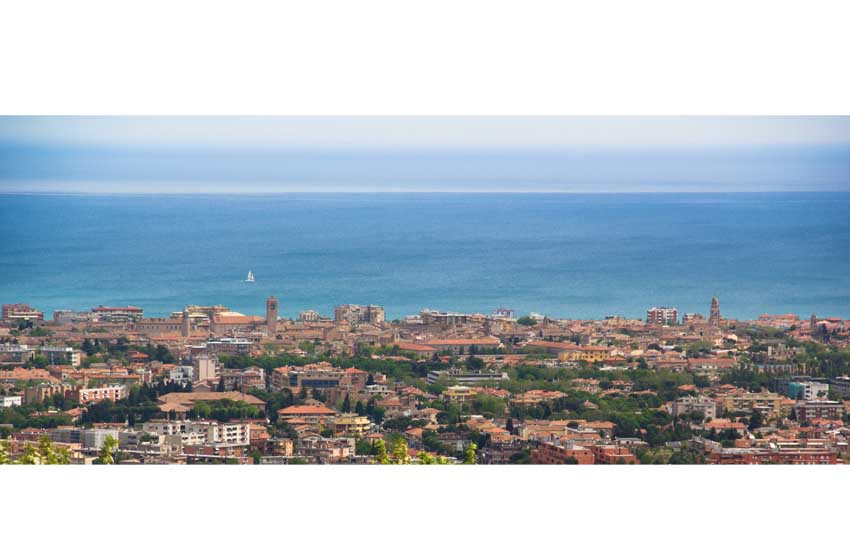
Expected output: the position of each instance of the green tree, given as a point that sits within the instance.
(346, 404)
(107, 452)
(425, 458)
(399, 452)
(526, 321)
(756, 420)
(29, 456)
(381, 452)
(469, 454)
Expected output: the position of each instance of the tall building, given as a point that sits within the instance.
(186, 325)
(308, 316)
(271, 315)
(16, 311)
(359, 314)
(714, 314)
(662, 316)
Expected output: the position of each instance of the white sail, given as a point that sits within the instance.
(250, 277)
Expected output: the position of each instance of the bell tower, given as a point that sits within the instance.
(271, 315)
(714, 313)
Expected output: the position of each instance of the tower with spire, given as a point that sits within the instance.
(714, 313)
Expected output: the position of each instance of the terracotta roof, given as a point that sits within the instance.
(463, 341)
(306, 410)
(413, 347)
(237, 319)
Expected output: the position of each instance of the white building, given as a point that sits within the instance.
(201, 432)
(181, 374)
(7, 401)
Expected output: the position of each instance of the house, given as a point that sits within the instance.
(309, 414)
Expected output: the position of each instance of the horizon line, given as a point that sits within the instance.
(417, 191)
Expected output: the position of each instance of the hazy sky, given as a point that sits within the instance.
(242, 154)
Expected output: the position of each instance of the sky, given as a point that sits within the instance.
(525, 154)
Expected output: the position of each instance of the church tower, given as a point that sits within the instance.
(186, 325)
(271, 315)
(714, 314)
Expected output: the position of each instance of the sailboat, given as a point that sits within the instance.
(250, 277)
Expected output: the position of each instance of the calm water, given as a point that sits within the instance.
(565, 255)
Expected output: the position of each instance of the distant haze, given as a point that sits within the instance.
(516, 154)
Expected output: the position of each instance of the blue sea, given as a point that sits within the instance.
(564, 255)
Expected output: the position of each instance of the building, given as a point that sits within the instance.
(7, 401)
(181, 374)
(466, 377)
(689, 318)
(308, 414)
(309, 316)
(814, 409)
(354, 314)
(460, 394)
(504, 314)
(325, 377)
(271, 315)
(160, 325)
(768, 404)
(117, 314)
(350, 424)
(714, 313)
(97, 394)
(613, 455)
(66, 316)
(590, 354)
(807, 390)
(15, 354)
(841, 385)
(225, 346)
(464, 345)
(206, 367)
(91, 439)
(449, 318)
(547, 453)
(662, 316)
(59, 355)
(45, 391)
(242, 380)
(203, 432)
(750, 456)
(699, 405)
(21, 312)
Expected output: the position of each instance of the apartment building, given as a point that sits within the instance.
(112, 392)
(700, 405)
(814, 409)
(117, 314)
(547, 453)
(350, 424)
(662, 316)
(20, 311)
(769, 404)
(355, 314)
(15, 354)
(7, 401)
(841, 385)
(466, 377)
(61, 355)
(464, 345)
(807, 390)
(91, 439)
(201, 432)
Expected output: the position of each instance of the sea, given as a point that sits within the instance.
(563, 255)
